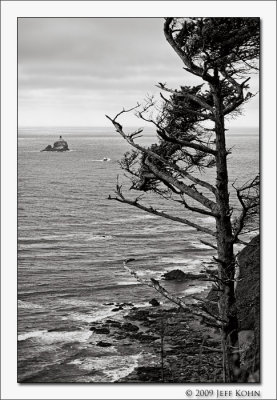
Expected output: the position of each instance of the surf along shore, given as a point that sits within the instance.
(174, 347)
(179, 348)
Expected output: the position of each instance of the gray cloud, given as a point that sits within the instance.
(70, 67)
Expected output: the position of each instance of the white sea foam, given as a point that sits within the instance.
(27, 305)
(114, 367)
(145, 304)
(92, 317)
(127, 283)
(195, 289)
(134, 218)
(29, 335)
(149, 273)
(56, 337)
(78, 302)
(122, 371)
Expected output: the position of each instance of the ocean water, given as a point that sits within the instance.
(71, 244)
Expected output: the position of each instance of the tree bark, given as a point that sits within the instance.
(226, 259)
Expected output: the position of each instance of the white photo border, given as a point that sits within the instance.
(11, 10)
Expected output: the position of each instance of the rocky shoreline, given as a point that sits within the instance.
(180, 348)
(174, 347)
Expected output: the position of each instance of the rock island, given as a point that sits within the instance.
(59, 145)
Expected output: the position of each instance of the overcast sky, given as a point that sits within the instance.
(73, 71)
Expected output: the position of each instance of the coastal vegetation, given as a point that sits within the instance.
(190, 122)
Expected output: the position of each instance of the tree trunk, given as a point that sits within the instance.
(226, 259)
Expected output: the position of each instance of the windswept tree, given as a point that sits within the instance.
(190, 126)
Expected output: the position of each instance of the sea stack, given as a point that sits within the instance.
(59, 145)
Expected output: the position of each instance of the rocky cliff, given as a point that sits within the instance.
(248, 306)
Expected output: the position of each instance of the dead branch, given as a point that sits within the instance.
(208, 244)
(188, 190)
(195, 209)
(153, 283)
(153, 211)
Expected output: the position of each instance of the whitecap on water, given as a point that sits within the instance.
(92, 317)
(134, 218)
(28, 305)
(56, 337)
(127, 283)
(77, 302)
(29, 335)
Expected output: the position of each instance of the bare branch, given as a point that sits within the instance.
(125, 111)
(208, 244)
(196, 209)
(200, 182)
(153, 283)
(153, 211)
(188, 190)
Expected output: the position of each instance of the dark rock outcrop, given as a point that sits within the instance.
(112, 323)
(130, 327)
(60, 145)
(149, 374)
(48, 148)
(181, 276)
(154, 303)
(138, 315)
(182, 339)
(103, 344)
(100, 331)
(117, 309)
